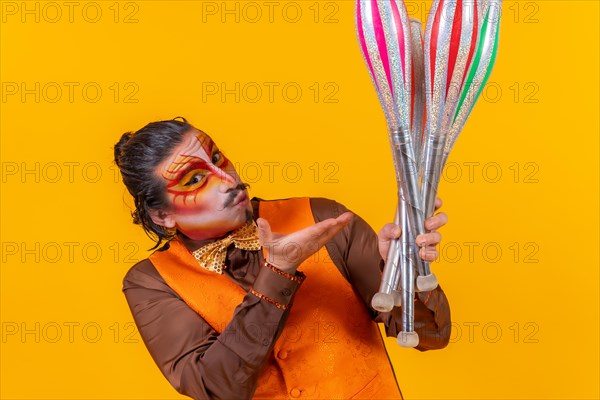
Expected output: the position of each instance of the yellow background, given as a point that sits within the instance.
(525, 322)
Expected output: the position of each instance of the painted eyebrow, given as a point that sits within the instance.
(185, 162)
(210, 144)
(186, 165)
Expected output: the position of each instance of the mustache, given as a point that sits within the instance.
(233, 192)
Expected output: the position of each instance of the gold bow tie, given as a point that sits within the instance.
(212, 256)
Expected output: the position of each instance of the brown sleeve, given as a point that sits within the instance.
(197, 360)
(355, 251)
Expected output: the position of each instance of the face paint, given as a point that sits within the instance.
(204, 189)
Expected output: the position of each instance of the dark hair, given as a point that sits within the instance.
(138, 155)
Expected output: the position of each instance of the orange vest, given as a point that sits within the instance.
(329, 348)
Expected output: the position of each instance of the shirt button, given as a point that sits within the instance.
(282, 354)
(286, 292)
(266, 342)
(295, 392)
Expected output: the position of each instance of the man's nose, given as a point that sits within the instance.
(227, 181)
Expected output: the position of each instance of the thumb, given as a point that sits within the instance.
(386, 235)
(389, 232)
(264, 231)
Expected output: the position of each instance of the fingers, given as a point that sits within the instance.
(436, 222)
(389, 232)
(429, 253)
(427, 242)
(429, 239)
(438, 203)
(323, 231)
(385, 236)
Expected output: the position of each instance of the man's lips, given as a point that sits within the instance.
(236, 195)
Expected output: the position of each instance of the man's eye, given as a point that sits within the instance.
(217, 157)
(196, 178)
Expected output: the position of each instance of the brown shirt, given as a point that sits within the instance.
(201, 363)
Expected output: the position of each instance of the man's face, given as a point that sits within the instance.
(206, 197)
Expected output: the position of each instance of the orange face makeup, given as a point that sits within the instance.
(203, 188)
(189, 174)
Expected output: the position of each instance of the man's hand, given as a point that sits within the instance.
(287, 252)
(427, 241)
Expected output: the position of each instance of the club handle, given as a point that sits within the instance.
(407, 339)
(383, 302)
(431, 168)
(410, 191)
(426, 283)
(385, 299)
(397, 298)
(407, 283)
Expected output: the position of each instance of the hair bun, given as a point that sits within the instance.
(120, 145)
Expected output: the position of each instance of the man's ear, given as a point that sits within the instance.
(162, 218)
